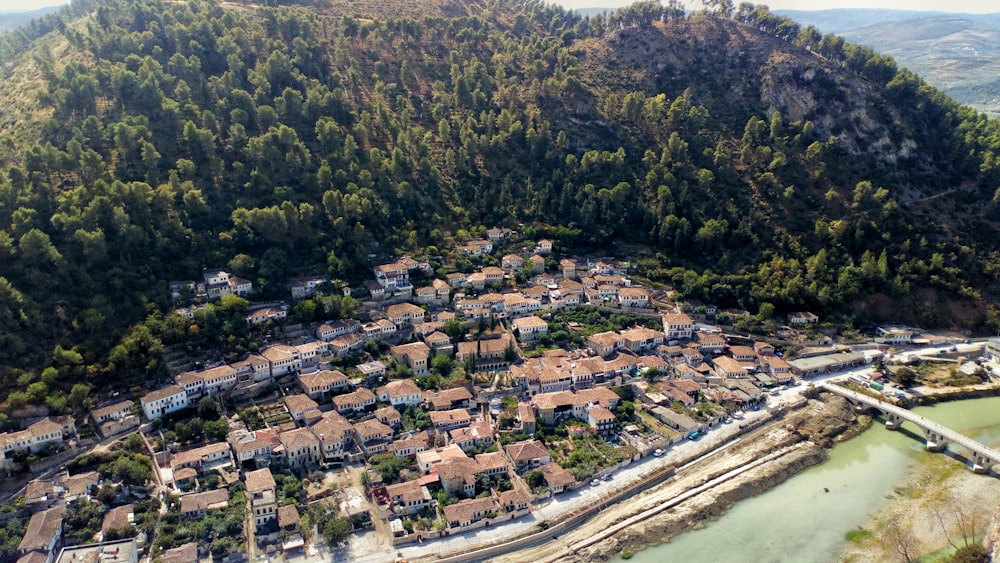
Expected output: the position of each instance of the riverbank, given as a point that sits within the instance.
(932, 395)
(937, 506)
(760, 461)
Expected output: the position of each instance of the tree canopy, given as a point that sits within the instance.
(755, 162)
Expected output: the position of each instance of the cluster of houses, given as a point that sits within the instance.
(48, 432)
(336, 419)
(215, 284)
(48, 500)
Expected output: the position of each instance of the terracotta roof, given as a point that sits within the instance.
(392, 267)
(387, 413)
(111, 409)
(526, 451)
(332, 428)
(605, 339)
(258, 439)
(288, 515)
(641, 333)
(359, 396)
(479, 430)
(259, 481)
(449, 416)
(42, 527)
(710, 338)
(601, 395)
(298, 439)
(413, 349)
(400, 309)
(525, 412)
(677, 319)
(322, 378)
(742, 351)
(79, 484)
(457, 468)
(208, 500)
(446, 398)
(514, 497)
(729, 365)
(34, 557)
(600, 413)
(466, 510)
(654, 362)
(407, 443)
(633, 291)
(118, 517)
(485, 346)
(163, 393)
(491, 460)
(408, 492)
(193, 455)
(37, 489)
(279, 352)
(556, 476)
(182, 554)
(299, 403)
(371, 429)
(400, 388)
(222, 371)
(687, 385)
(530, 322)
(775, 362)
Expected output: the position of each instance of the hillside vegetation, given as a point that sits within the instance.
(957, 53)
(754, 161)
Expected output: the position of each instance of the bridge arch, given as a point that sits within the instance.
(983, 458)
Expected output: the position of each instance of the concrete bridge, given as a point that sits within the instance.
(938, 436)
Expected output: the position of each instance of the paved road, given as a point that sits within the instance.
(584, 497)
(587, 496)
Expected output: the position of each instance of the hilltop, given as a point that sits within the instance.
(746, 161)
(957, 53)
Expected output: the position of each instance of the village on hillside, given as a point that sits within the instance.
(445, 404)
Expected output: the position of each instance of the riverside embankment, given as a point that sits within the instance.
(839, 510)
(702, 491)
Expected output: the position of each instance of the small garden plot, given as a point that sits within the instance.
(585, 456)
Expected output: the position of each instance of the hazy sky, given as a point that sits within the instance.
(968, 6)
(25, 5)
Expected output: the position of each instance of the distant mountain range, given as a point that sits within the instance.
(12, 20)
(957, 53)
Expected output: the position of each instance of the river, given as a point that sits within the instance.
(806, 518)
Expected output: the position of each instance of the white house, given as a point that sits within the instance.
(164, 401)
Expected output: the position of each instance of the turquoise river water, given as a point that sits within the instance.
(805, 519)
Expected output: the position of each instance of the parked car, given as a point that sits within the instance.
(595, 483)
(658, 452)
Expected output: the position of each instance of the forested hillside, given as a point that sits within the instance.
(957, 53)
(751, 161)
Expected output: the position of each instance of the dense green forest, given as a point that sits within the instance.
(745, 159)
